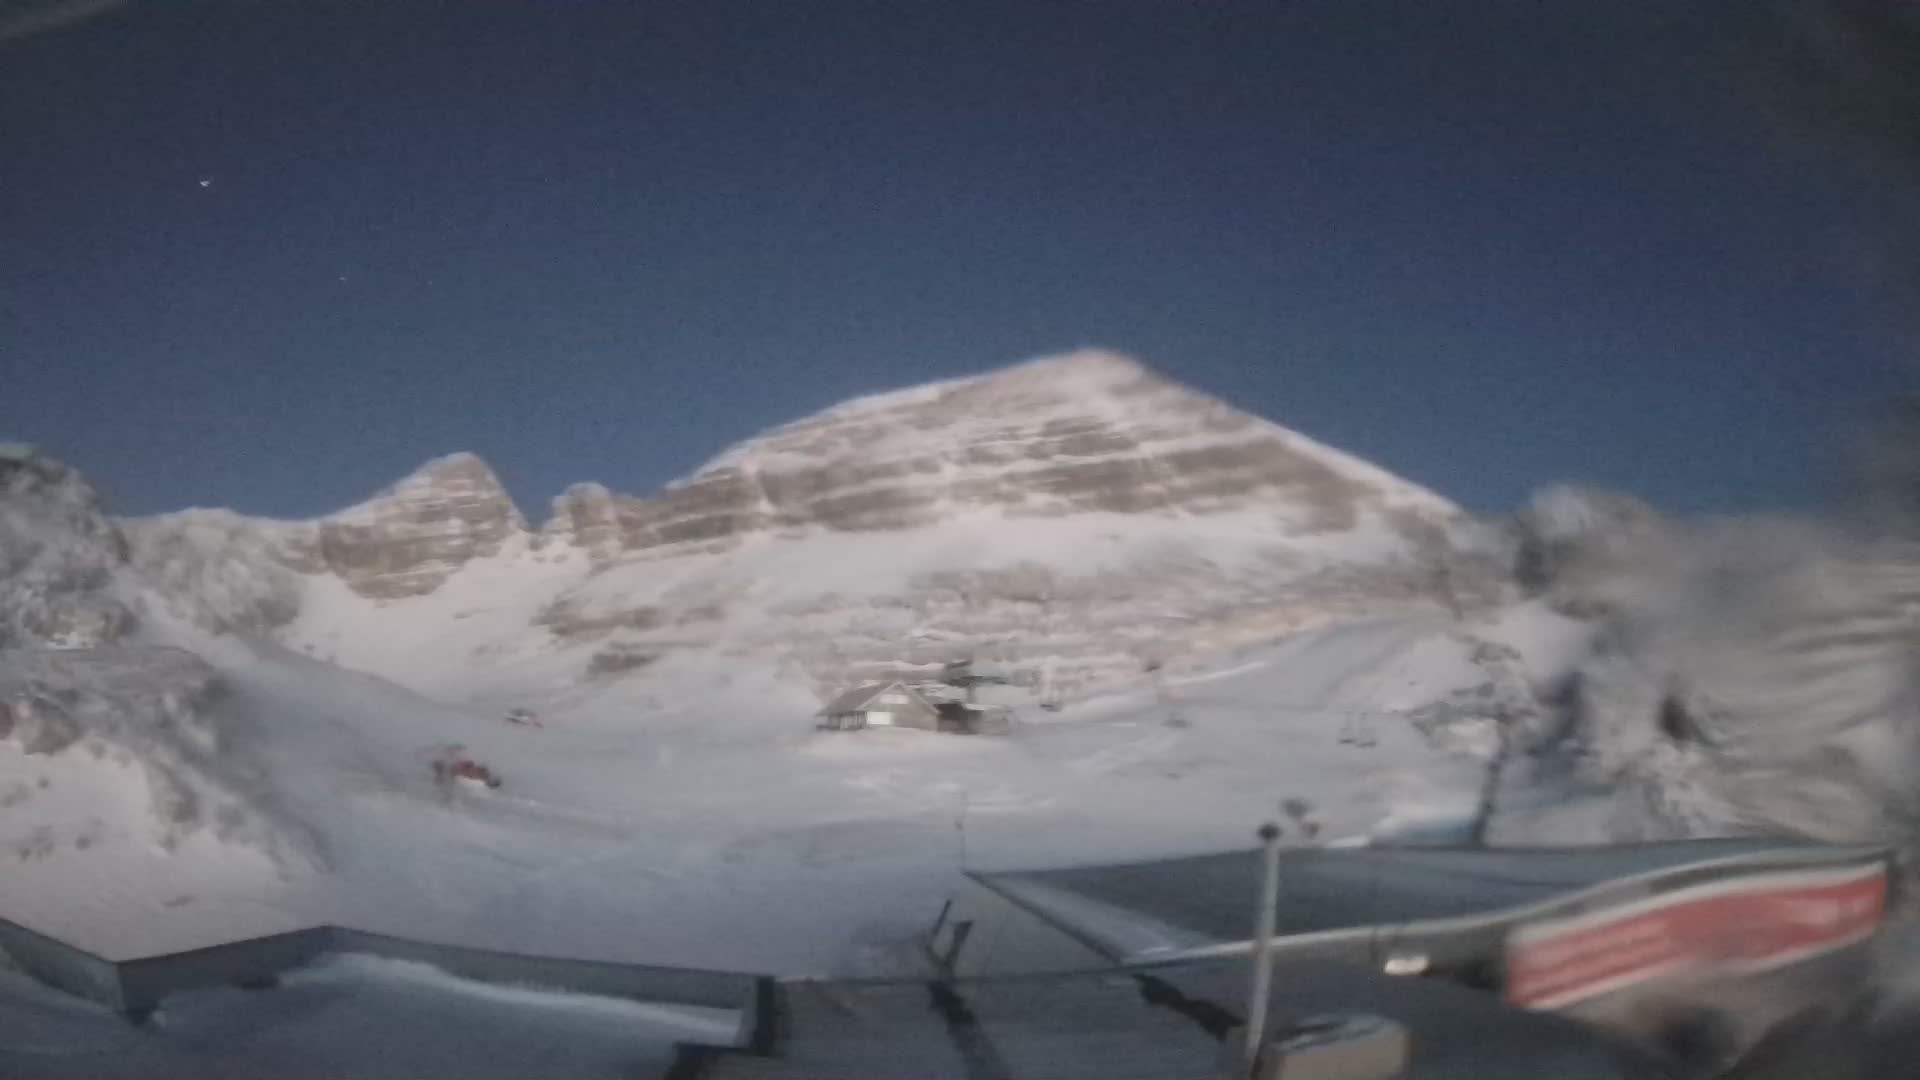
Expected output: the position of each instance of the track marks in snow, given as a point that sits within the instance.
(1126, 755)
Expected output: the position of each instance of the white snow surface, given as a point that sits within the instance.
(724, 832)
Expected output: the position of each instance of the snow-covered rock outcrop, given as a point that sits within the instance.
(227, 572)
(58, 554)
(1086, 432)
(587, 517)
(1748, 675)
(410, 538)
(1066, 514)
(110, 739)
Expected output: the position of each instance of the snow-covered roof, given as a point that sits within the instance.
(855, 699)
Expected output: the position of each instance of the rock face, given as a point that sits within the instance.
(1086, 432)
(58, 554)
(75, 684)
(228, 572)
(1077, 507)
(409, 539)
(587, 517)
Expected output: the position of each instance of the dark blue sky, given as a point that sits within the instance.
(1486, 244)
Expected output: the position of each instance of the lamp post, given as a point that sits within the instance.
(1306, 825)
(1263, 924)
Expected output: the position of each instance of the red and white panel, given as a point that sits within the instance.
(1745, 924)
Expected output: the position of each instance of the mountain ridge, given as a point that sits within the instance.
(1072, 510)
(1084, 368)
(1103, 433)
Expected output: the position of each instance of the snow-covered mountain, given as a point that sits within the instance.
(1065, 515)
(214, 725)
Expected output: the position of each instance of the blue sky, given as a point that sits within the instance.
(272, 256)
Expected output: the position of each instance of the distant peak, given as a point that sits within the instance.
(1080, 374)
(461, 469)
(584, 498)
(23, 467)
(458, 463)
(1056, 378)
(585, 489)
(463, 474)
(1083, 362)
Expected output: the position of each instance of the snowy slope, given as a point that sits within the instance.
(815, 852)
(722, 833)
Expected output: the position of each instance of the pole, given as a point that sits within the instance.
(960, 825)
(1262, 984)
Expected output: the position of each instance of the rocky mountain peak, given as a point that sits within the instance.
(1090, 431)
(411, 537)
(585, 516)
(1082, 373)
(1091, 436)
(26, 473)
(58, 555)
(457, 475)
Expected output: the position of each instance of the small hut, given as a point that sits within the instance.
(968, 718)
(888, 704)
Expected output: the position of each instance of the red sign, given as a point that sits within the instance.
(1745, 924)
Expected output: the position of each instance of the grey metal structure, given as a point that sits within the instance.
(1363, 904)
(1171, 1023)
(1458, 916)
(1136, 970)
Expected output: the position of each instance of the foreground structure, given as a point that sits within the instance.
(1695, 948)
(1640, 960)
(1670, 959)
